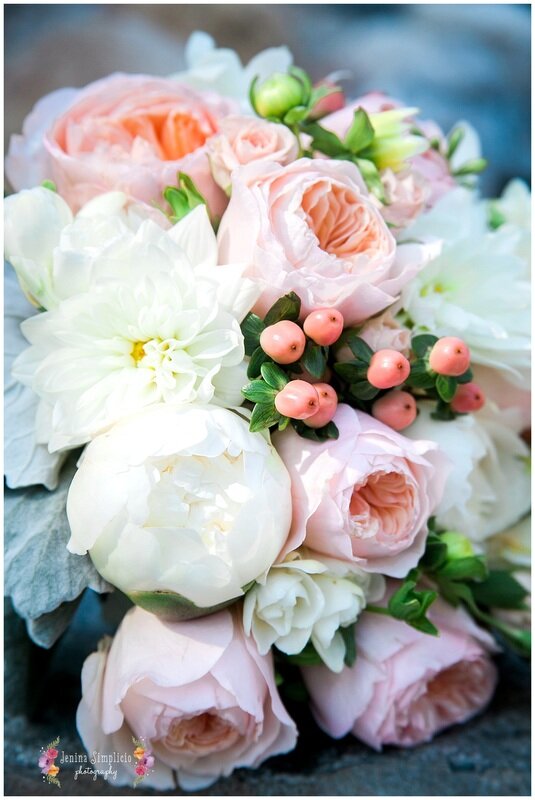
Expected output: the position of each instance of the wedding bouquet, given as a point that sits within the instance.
(293, 342)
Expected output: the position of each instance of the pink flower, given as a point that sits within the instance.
(127, 132)
(197, 692)
(52, 753)
(311, 227)
(141, 769)
(44, 763)
(365, 497)
(242, 140)
(406, 686)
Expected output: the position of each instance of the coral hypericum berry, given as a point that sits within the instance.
(298, 400)
(387, 369)
(450, 356)
(468, 397)
(324, 326)
(396, 409)
(328, 402)
(284, 342)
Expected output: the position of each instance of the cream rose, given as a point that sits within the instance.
(365, 497)
(182, 500)
(198, 693)
(311, 227)
(306, 598)
(242, 140)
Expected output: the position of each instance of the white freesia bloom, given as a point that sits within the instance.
(476, 287)
(53, 251)
(157, 322)
(489, 488)
(220, 70)
(308, 597)
(182, 500)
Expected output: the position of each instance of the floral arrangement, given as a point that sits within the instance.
(293, 342)
(49, 769)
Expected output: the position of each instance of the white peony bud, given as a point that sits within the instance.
(308, 597)
(180, 501)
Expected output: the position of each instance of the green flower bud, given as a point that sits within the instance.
(278, 94)
(458, 545)
(393, 142)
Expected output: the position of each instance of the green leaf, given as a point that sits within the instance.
(259, 392)
(329, 431)
(304, 77)
(446, 387)
(361, 133)
(274, 376)
(352, 371)
(308, 657)
(363, 390)
(419, 377)
(323, 140)
(435, 554)
(454, 140)
(500, 590)
(264, 416)
(295, 115)
(287, 307)
(466, 377)
(183, 198)
(314, 360)
(251, 327)
(252, 88)
(410, 604)
(443, 412)
(422, 343)
(495, 217)
(360, 349)
(194, 196)
(50, 185)
(371, 176)
(348, 635)
(257, 359)
(473, 167)
(461, 569)
(424, 625)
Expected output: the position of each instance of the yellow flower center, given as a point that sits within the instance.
(138, 351)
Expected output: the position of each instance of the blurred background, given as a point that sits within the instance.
(454, 62)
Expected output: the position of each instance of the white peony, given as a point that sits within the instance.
(152, 322)
(219, 69)
(181, 500)
(476, 287)
(489, 488)
(308, 597)
(53, 251)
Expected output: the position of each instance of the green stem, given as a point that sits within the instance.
(296, 132)
(379, 610)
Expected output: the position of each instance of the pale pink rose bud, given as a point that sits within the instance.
(284, 342)
(468, 397)
(364, 497)
(328, 402)
(242, 140)
(330, 103)
(449, 356)
(387, 369)
(324, 326)
(131, 133)
(396, 409)
(197, 692)
(430, 682)
(298, 400)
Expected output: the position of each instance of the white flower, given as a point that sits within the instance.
(489, 487)
(308, 597)
(220, 70)
(181, 500)
(158, 322)
(475, 288)
(53, 251)
(512, 547)
(514, 206)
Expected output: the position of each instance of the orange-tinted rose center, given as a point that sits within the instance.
(173, 134)
(204, 733)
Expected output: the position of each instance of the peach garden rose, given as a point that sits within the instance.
(311, 227)
(127, 132)
(364, 497)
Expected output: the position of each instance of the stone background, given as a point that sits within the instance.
(463, 61)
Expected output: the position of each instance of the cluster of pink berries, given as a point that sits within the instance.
(315, 403)
(285, 343)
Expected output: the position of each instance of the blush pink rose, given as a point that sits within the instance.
(406, 686)
(127, 132)
(242, 140)
(198, 693)
(365, 497)
(311, 227)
